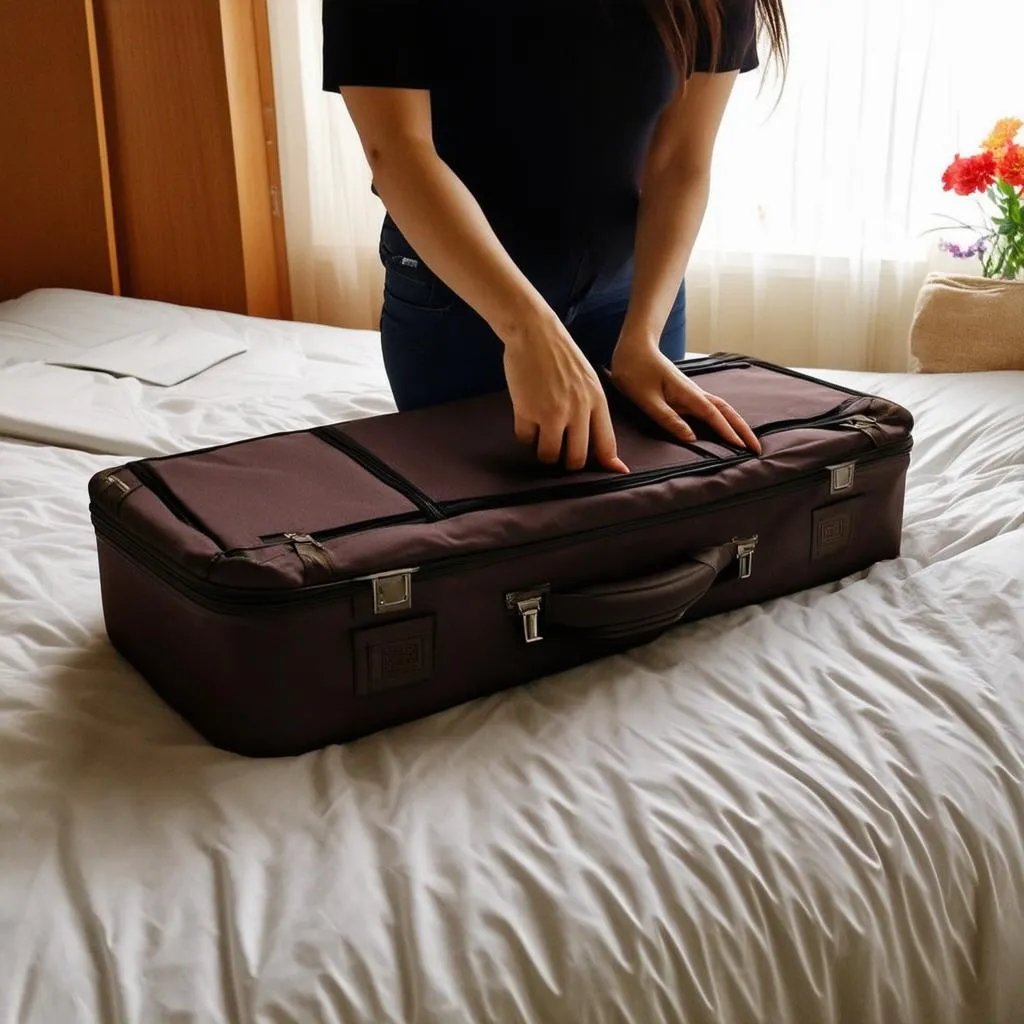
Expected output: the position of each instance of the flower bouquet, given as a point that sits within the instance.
(998, 173)
(971, 322)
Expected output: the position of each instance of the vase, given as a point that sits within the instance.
(968, 324)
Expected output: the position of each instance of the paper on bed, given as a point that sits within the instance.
(161, 359)
(287, 375)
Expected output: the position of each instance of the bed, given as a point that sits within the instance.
(810, 811)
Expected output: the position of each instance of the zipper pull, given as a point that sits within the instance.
(113, 480)
(867, 425)
(317, 564)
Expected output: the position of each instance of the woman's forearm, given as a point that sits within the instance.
(672, 206)
(445, 225)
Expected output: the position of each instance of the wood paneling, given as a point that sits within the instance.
(55, 201)
(189, 162)
(261, 21)
(138, 152)
(171, 152)
(246, 36)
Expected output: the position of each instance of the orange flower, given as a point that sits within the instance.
(1003, 134)
(1011, 166)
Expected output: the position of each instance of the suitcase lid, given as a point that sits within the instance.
(381, 496)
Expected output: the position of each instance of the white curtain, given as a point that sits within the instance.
(332, 220)
(814, 247)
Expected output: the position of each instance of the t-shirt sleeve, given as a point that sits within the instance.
(737, 47)
(375, 43)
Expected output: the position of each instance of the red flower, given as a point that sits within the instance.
(970, 174)
(1011, 167)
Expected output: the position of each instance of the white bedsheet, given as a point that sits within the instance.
(289, 375)
(806, 812)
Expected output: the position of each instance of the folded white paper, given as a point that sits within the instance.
(164, 360)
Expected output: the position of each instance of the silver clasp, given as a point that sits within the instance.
(745, 555)
(392, 591)
(841, 477)
(528, 606)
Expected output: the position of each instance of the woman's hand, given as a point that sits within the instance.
(655, 385)
(560, 406)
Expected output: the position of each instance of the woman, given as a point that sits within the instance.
(545, 168)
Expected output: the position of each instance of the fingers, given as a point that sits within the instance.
(709, 412)
(588, 430)
(549, 442)
(606, 449)
(577, 443)
(719, 415)
(738, 423)
(668, 419)
(526, 432)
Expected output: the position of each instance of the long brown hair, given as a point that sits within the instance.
(679, 22)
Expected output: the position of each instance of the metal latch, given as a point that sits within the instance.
(392, 591)
(745, 555)
(528, 606)
(841, 477)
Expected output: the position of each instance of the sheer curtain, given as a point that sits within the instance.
(813, 248)
(332, 220)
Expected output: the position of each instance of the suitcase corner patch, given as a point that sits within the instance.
(833, 528)
(392, 656)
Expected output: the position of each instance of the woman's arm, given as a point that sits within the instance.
(559, 404)
(674, 195)
(435, 211)
(673, 200)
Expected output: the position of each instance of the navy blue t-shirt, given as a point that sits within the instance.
(543, 108)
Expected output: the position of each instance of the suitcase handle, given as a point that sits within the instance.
(647, 604)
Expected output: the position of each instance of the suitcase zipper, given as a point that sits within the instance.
(429, 511)
(380, 469)
(333, 532)
(569, 491)
(228, 599)
(836, 414)
(468, 505)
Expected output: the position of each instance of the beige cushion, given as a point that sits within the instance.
(966, 324)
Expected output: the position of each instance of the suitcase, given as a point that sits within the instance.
(288, 592)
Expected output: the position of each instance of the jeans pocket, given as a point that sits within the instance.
(408, 280)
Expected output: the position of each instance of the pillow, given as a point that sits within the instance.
(965, 324)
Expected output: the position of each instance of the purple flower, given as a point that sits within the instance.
(963, 254)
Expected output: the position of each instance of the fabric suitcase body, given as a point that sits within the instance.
(307, 588)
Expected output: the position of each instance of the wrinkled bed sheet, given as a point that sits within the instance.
(811, 811)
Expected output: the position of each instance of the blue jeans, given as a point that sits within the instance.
(437, 349)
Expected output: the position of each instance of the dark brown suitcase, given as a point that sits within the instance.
(307, 588)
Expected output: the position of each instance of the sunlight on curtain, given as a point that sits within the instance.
(332, 220)
(813, 249)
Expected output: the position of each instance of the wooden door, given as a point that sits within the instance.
(191, 152)
(138, 152)
(56, 210)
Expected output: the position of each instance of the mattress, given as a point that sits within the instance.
(811, 810)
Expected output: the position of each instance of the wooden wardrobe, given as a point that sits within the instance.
(138, 152)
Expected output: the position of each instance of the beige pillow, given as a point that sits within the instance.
(966, 324)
